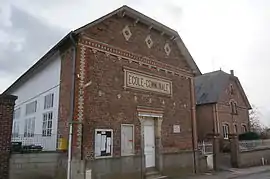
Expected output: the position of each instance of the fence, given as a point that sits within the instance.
(205, 147)
(249, 145)
(48, 143)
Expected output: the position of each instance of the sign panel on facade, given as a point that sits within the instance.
(103, 142)
(147, 82)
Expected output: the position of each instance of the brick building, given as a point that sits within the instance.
(126, 84)
(222, 105)
(134, 100)
(6, 116)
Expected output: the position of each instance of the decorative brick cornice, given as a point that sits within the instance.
(123, 54)
(8, 99)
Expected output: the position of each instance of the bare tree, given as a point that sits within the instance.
(255, 122)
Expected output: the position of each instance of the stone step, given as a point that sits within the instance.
(157, 177)
(154, 175)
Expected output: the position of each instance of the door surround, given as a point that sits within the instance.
(144, 113)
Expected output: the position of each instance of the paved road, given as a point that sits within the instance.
(248, 173)
(262, 175)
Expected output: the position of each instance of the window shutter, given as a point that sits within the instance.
(127, 143)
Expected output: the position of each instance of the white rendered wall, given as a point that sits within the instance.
(42, 83)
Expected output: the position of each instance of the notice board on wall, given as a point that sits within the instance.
(103, 142)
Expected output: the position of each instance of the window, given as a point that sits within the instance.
(235, 129)
(17, 113)
(48, 101)
(225, 128)
(233, 107)
(244, 128)
(127, 139)
(29, 127)
(15, 130)
(47, 124)
(103, 142)
(231, 89)
(31, 108)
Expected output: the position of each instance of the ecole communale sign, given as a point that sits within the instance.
(147, 82)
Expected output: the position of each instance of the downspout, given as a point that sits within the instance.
(71, 104)
(193, 123)
(215, 125)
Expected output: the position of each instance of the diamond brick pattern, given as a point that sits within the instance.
(123, 55)
(167, 49)
(126, 33)
(149, 42)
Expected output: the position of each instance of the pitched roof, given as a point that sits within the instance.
(209, 86)
(43, 60)
(125, 10)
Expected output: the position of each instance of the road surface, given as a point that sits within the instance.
(262, 175)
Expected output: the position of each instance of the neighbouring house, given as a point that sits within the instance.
(222, 105)
(126, 84)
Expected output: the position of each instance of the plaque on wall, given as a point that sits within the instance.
(147, 82)
(176, 129)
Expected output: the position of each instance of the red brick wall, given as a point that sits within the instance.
(108, 105)
(224, 108)
(110, 32)
(65, 92)
(6, 119)
(205, 120)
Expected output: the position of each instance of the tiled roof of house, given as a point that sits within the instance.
(209, 86)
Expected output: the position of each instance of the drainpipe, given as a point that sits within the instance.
(71, 104)
(193, 122)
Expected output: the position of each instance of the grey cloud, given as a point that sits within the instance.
(28, 39)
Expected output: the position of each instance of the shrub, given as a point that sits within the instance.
(249, 136)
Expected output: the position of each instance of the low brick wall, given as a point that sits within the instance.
(254, 158)
(44, 165)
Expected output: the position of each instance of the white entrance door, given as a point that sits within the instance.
(149, 143)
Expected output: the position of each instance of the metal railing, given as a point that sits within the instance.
(205, 147)
(48, 143)
(248, 145)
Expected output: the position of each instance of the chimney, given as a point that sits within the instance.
(232, 72)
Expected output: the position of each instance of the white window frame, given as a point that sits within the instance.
(244, 128)
(16, 129)
(133, 142)
(29, 127)
(28, 105)
(225, 132)
(49, 101)
(233, 106)
(45, 124)
(103, 130)
(17, 113)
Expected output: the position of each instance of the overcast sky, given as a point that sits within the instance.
(226, 34)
